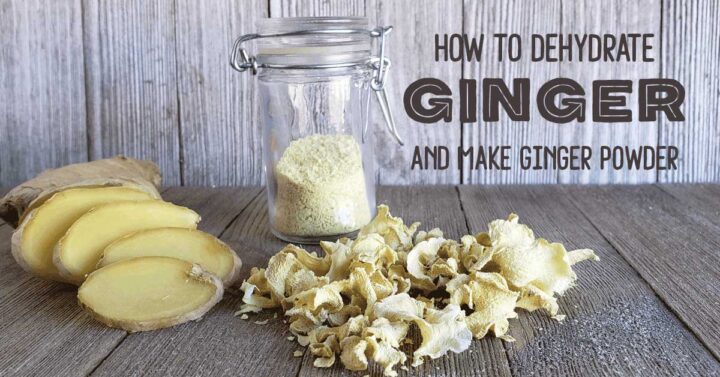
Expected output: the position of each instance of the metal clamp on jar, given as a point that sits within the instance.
(314, 89)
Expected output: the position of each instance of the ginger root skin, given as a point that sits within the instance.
(116, 171)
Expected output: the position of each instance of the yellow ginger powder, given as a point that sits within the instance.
(321, 187)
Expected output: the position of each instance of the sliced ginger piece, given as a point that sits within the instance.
(149, 293)
(79, 250)
(33, 242)
(190, 245)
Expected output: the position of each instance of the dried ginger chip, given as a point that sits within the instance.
(385, 355)
(396, 235)
(423, 235)
(492, 302)
(325, 352)
(400, 307)
(353, 353)
(389, 332)
(421, 257)
(286, 276)
(442, 331)
(537, 268)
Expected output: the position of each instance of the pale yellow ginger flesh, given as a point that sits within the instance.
(149, 293)
(190, 245)
(360, 301)
(80, 249)
(141, 175)
(34, 240)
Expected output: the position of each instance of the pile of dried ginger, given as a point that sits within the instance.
(359, 301)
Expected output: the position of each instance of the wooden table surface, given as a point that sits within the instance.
(649, 307)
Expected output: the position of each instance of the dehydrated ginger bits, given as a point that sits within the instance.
(363, 298)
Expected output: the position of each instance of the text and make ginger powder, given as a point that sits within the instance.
(321, 187)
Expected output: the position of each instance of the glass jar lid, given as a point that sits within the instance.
(314, 40)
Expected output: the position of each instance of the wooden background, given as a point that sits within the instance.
(85, 79)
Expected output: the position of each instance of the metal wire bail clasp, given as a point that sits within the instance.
(239, 58)
(381, 65)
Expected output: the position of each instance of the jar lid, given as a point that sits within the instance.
(313, 40)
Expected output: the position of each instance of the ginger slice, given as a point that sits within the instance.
(33, 242)
(149, 293)
(79, 250)
(190, 245)
(117, 171)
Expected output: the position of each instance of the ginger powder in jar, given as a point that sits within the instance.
(321, 187)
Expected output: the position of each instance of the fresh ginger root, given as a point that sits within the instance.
(117, 171)
(160, 271)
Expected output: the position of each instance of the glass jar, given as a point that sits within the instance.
(315, 83)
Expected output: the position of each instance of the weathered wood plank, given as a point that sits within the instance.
(672, 247)
(317, 8)
(42, 117)
(691, 49)
(704, 198)
(613, 17)
(524, 18)
(615, 324)
(440, 208)
(221, 134)
(131, 82)
(220, 344)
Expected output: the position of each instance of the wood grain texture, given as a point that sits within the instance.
(317, 8)
(131, 81)
(524, 18)
(691, 55)
(221, 134)
(441, 208)
(613, 17)
(703, 198)
(42, 92)
(614, 320)
(672, 247)
(220, 344)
